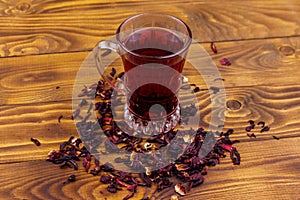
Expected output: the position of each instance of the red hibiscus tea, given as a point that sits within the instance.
(153, 72)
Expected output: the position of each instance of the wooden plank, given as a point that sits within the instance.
(33, 79)
(20, 123)
(278, 106)
(39, 27)
(269, 170)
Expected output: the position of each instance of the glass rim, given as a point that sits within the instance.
(183, 49)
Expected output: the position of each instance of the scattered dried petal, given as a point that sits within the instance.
(35, 141)
(196, 89)
(59, 118)
(65, 164)
(248, 128)
(275, 137)
(235, 156)
(113, 72)
(251, 122)
(76, 113)
(95, 171)
(88, 165)
(213, 47)
(146, 179)
(132, 188)
(225, 62)
(112, 188)
(261, 123)
(106, 179)
(128, 196)
(250, 135)
(229, 132)
(71, 178)
(90, 107)
(266, 128)
(204, 171)
(83, 103)
(197, 182)
(226, 147)
(121, 75)
(74, 164)
(182, 167)
(180, 189)
(122, 184)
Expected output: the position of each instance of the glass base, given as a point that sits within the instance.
(152, 127)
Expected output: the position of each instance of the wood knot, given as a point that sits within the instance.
(287, 50)
(23, 6)
(233, 104)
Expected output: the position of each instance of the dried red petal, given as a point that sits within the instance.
(226, 147)
(128, 196)
(35, 141)
(113, 72)
(261, 123)
(196, 89)
(122, 184)
(213, 47)
(235, 156)
(250, 135)
(248, 128)
(251, 121)
(112, 188)
(59, 118)
(180, 189)
(88, 165)
(266, 128)
(275, 137)
(225, 62)
(71, 178)
(105, 179)
(84, 162)
(132, 188)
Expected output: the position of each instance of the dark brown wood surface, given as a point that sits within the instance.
(43, 44)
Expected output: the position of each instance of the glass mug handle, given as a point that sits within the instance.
(110, 46)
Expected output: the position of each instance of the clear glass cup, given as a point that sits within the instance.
(153, 48)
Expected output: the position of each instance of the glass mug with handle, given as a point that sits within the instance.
(153, 48)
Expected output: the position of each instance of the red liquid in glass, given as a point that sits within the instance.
(153, 55)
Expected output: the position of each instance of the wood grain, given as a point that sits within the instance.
(278, 106)
(20, 123)
(38, 27)
(269, 170)
(33, 79)
(23, 78)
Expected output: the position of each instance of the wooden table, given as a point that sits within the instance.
(43, 44)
